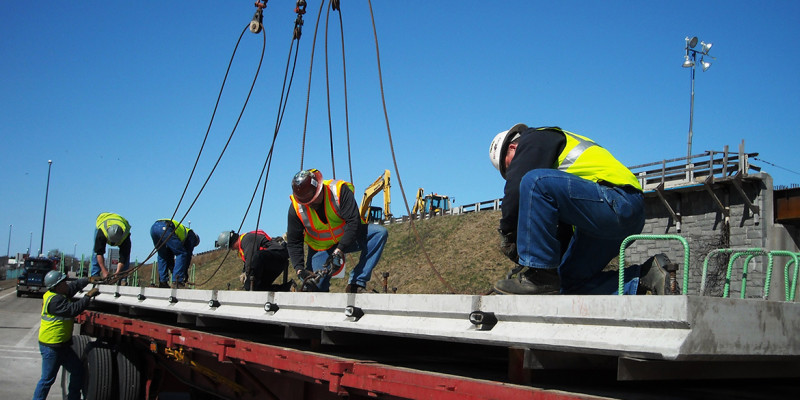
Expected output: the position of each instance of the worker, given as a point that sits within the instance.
(324, 215)
(558, 178)
(175, 244)
(55, 332)
(264, 259)
(116, 231)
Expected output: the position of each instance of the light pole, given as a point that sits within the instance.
(30, 243)
(46, 193)
(8, 249)
(690, 61)
(74, 250)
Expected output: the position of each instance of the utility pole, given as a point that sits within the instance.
(46, 193)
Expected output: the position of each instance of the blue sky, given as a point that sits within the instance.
(120, 97)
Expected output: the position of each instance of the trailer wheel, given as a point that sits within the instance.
(99, 373)
(80, 344)
(129, 374)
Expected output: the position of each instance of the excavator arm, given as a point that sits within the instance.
(382, 183)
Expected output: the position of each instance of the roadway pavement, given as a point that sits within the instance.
(20, 361)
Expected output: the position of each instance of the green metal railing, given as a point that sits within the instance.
(630, 239)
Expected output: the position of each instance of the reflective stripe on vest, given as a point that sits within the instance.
(572, 156)
(53, 329)
(105, 220)
(239, 242)
(584, 158)
(180, 230)
(318, 235)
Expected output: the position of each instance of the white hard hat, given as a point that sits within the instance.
(499, 147)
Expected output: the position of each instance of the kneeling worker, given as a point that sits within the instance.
(324, 215)
(175, 243)
(558, 178)
(264, 259)
(55, 332)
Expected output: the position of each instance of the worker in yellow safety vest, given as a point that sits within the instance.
(324, 215)
(175, 243)
(567, 207)
(113, 230)
(55, 332)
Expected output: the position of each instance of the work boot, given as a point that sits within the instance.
(179, 285)
(163, 284)
(658, 276)
(354, 288)
(532, 281)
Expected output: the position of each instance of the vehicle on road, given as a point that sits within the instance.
(31, 282)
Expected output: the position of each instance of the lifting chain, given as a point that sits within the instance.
(300, 9)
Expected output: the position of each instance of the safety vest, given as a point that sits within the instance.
(319, 235)
(585, 158)
(105, 220)
(180, 230)
(239, 242)
(53, 329)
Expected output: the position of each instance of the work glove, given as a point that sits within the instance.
(95, 279)
(508, 245)
(335, 260)
(303, 274)
(92, 293)
(243, 278)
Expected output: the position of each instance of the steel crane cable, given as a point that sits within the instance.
(394, 158)
(285, 89)
(162, 241)
(334, 4)
(308, 90)
(389, 131)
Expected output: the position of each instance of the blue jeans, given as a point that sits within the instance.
(371, 247)
(174, 256)
(95, 269)
(601, 216)
(52, 359)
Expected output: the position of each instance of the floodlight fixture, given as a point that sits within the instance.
(689, 62)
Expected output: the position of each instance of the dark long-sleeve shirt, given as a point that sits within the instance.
(535, 150)
(63, 305)
(348, 211)
(253, 242)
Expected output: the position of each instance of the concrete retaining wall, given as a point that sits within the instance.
(706, 227)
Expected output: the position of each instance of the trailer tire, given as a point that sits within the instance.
(99, 373)
(80, 344)
(129, 374)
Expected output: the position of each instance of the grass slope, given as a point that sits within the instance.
(463, 249)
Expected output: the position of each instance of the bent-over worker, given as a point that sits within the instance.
(175, 243)
(113, 230)
(264, 259)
